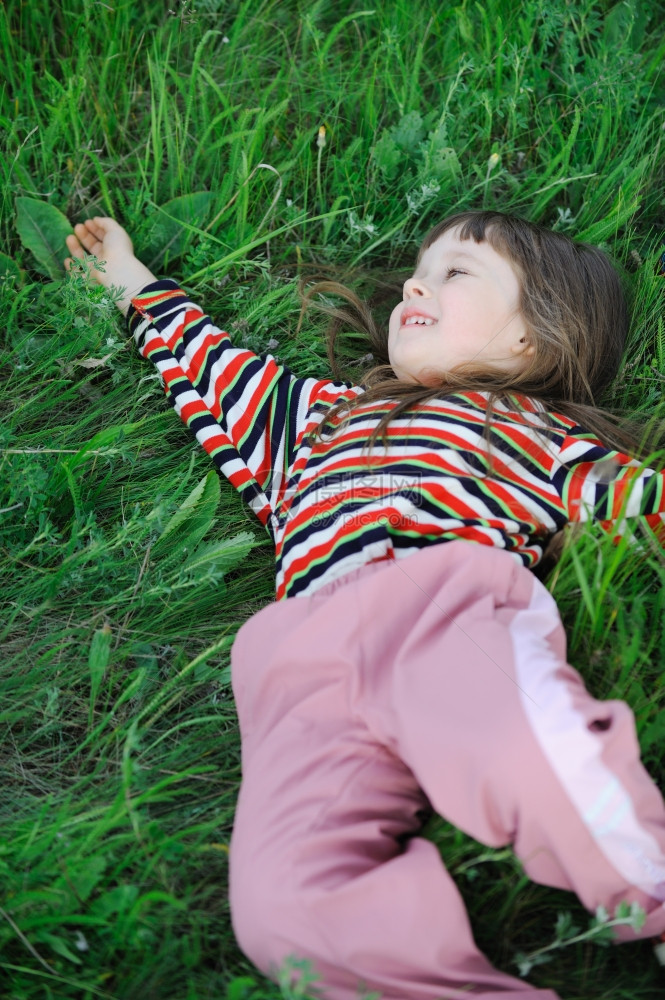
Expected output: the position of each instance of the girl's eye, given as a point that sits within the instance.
(452, 271)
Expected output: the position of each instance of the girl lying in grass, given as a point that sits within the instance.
(396, 674)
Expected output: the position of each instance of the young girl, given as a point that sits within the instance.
(395, 674)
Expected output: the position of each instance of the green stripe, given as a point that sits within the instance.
(460, 449)
(256, 412)
(505, 508)
(159, 294)
(329, 553)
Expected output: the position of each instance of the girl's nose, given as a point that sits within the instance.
(416, 288)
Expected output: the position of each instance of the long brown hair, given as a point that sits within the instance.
(575, 310)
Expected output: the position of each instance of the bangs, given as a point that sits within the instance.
(502, 232)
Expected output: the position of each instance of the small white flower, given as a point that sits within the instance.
(80, 942)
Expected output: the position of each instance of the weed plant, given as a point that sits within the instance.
(245, 145)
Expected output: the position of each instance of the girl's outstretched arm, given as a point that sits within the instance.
(110, 243)
(596, 483)
(249, 412)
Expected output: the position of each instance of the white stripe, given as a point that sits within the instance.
(575, 753)
(603, 799)
(356, 560)
(614, 821)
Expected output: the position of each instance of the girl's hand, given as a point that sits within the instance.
(110, 243)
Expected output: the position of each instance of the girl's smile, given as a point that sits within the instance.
(413, 316)
(461, 306)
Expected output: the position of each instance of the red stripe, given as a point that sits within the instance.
(518, 512)
(244, 422)
(174, 374)
(197, 359)
(232, 369)
(263, 473)
(156, 299)
(189, 410)
(575, 485)
(217, 441)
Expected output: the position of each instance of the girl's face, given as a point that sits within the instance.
(461, 305)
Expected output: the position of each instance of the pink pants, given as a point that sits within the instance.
(436, 679)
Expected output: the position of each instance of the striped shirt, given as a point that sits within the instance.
(331, 507)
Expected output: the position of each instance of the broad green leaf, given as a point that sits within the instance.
(444, 164)
(223, 555)
(387, 156)
(42, 229)
(192, 519)
(170, 226)
(409, 131)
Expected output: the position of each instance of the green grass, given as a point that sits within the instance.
(120, 750)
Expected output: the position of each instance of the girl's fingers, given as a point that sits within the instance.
(106, 222)
(79, 244)
(100, 236)
(92, 227)
(90, 240)
(101, 226)
(74, 246)
(97, 228)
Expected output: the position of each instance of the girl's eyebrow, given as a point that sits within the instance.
(450, 255)
(455, 254)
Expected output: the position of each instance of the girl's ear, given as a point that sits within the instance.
(524, 347)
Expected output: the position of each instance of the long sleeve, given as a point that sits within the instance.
(249, 413)
(596, 483)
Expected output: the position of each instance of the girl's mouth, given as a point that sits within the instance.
(418, 321)
(410, 318)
